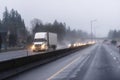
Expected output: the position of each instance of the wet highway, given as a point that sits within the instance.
(98, 62)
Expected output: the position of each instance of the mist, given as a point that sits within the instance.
(75, 13)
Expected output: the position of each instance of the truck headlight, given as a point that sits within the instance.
(74, 45)
(33, 47)
(69, 45)
(43, 46)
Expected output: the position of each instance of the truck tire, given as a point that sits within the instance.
(54, 47)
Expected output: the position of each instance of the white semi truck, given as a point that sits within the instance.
(44, 41)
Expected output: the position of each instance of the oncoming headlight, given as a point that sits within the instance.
(33, 47)
(69, 45)
(43, 46)
(74, 44)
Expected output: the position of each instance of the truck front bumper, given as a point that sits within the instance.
(40, 48)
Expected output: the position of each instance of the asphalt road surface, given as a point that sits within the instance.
(98, 62)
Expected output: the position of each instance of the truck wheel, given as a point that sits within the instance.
(54, 47)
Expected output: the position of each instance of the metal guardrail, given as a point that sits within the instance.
(16, 64)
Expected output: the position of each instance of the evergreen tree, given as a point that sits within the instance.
(6, 19)
(114, 34)
(13, 23)
(60, 29)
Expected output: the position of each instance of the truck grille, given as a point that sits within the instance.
(37, 45)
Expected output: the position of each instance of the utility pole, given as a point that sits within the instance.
(91, 22)
(91, 31)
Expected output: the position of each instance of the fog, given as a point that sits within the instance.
(75, 13)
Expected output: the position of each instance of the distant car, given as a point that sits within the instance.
(114, 42)
(118, 46)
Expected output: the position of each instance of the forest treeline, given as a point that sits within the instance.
(114, 34)
(63, 32)
(13, 25)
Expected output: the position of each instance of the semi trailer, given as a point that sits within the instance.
(44, 41)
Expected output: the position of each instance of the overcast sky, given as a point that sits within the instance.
(75, 13)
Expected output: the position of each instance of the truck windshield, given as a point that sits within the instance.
(40, 40)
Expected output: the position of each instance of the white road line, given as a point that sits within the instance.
(68, 65)
(65, 67)
(75, 60)
(85, 60)
(114, 58)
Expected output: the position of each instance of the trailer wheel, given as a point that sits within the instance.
(54, 47)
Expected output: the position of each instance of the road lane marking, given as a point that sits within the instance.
(68, 65)
(114, 58)
(114, 55)
(83, 61)
(75, 60)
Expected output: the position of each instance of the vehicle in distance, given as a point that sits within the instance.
(44, 41)
(78, 44)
